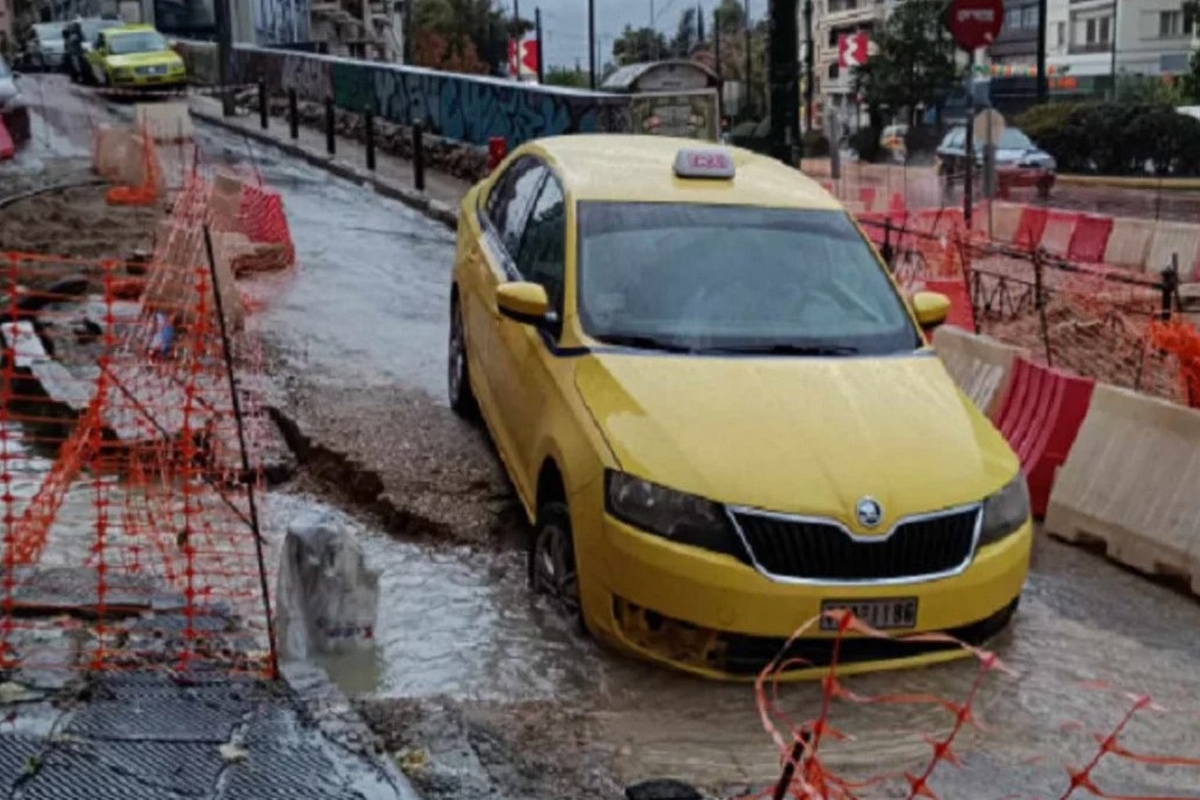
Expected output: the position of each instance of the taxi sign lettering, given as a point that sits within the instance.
(704, 164)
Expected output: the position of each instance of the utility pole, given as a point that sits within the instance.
(1043, 89)
(537, 24)
(749, 62)
(808, 64)
(1113, 33)
(591, 13)
(720, 73)
(410, 34)
(782, 76)
(224, 48)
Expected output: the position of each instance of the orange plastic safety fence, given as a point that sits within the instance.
(799, 744)
(1090, 320)
(127, 501)
(1182, 341)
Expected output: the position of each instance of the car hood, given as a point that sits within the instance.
(800, 435)
(157, 58)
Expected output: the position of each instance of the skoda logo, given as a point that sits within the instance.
(869, 512)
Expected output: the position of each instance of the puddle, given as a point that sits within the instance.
(457, 623)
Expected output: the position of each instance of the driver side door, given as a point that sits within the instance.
(95, 59)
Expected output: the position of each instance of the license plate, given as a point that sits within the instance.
(895, 614)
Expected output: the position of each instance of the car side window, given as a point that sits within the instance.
(542, 258)
(510, 200)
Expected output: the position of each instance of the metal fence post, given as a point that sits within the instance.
(293, 114)
(369, 131)
(418, 144)
(330, 121)
(263, 110)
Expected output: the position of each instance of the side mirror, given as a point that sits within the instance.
(930, 308)
(523, 302)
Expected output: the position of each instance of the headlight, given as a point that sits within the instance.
(677, 516)
(1005, 512)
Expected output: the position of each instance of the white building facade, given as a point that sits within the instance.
(1092, 40)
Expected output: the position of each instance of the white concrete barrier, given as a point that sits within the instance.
(979, 364)
(1178, 239)
(1132, 482)
(1129, 243)
(165, 122)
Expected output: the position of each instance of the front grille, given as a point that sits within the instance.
(749, 655)
(821, 551)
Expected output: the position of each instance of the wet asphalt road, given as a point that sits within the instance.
(369, 307)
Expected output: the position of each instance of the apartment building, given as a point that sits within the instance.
(1151, 37)
(834, 86)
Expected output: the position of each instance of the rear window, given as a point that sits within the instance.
(49, 33)
(735, 277)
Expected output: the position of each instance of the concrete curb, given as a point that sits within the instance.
(418, 201)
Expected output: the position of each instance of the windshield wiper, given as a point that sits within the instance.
(789, 349)
(645, 343)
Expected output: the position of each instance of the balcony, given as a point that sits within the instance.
(1089, 47)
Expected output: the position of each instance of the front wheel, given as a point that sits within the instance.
(552, 567)
(458, 381)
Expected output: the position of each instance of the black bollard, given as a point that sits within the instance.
(369, 131)
(293, 114)
(263, 111)
(418, 158)
(330, 142)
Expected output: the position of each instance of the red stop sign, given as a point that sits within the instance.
(975, 23)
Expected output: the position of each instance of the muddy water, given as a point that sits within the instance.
(462, 624)
(369, 307)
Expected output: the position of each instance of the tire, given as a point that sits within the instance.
(553, 570)
(458, 376)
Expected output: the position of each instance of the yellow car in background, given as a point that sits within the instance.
(721, 415)
(135, 57)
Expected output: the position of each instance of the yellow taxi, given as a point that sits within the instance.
(721, 415)
(135, 57)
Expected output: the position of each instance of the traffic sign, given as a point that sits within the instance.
(975, 23)
(988, 125)
(522, 58)
(853, 49)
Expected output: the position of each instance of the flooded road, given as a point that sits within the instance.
(365, 319)
(459, 623)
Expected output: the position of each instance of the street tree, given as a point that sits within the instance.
(732, 16)
(687, 35)
(636, 46)
(562, 76)
(914, 62)
(464, 35)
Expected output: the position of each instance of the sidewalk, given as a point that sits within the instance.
(393, 176)
(820, 168)
(147, 736)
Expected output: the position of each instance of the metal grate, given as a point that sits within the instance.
(822, 551)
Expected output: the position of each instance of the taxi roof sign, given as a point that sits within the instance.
(708, 162)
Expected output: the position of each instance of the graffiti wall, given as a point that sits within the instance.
(462, 108)
(280, 21)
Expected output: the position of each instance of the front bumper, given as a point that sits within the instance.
(714, 616)
(149, 82)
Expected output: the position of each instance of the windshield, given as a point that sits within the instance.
(148, 42)
(91, 28)
(735, 278)
(1013, 139)
(48, 33)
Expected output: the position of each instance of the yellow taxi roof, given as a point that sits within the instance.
(131, 28)
(616, 167)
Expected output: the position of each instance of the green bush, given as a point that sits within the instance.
(1115, 139)
(815, 144)
(865, 142)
